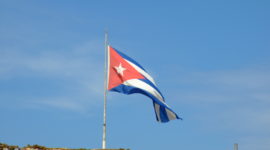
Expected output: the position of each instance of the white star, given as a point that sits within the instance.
(120, 70)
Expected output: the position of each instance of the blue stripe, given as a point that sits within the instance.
(163, 115)
(130, 90)
(155, 111)
(152, 85)
(129, 59)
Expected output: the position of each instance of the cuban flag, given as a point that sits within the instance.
(126, 76)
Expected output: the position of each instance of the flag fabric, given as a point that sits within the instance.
(127, 76)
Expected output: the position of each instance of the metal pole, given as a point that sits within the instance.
(235, 146)
(105, 92)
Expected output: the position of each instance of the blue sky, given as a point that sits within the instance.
(210, 59)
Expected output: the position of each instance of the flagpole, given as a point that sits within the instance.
(105, 91)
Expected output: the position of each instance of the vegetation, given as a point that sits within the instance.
(36, 147)
(10, 147)
(39, 147)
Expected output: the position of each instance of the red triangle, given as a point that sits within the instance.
(116, 78)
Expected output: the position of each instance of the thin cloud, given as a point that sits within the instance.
(61, 103)
(231, 85)
(81, 69)
(235, 101)
(254, 143)
(55, 63)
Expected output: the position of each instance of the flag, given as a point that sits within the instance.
(127, 76)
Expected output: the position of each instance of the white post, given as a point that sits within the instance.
(235, 146)
(105, 92)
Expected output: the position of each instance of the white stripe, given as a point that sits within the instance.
(170, 114)
(142, 72)
(146, 87)
(157, 109)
